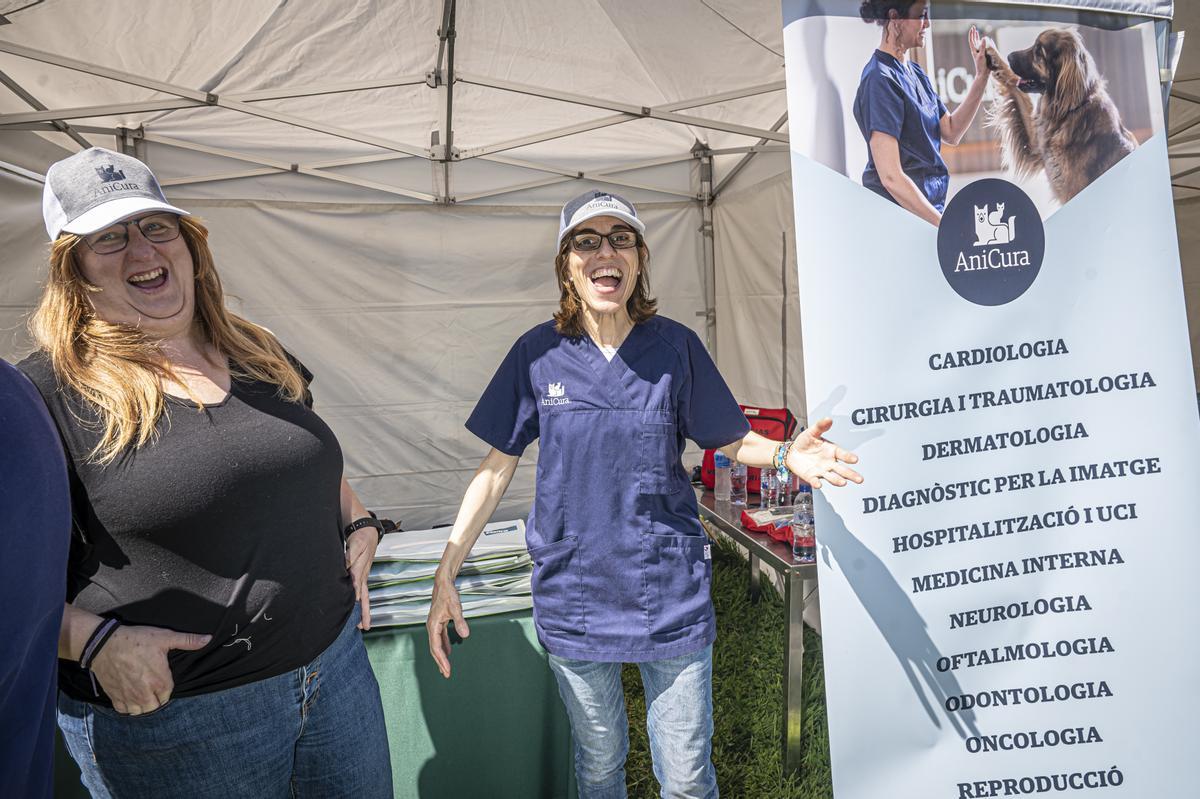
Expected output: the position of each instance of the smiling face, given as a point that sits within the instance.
(147, 285)
(909, 31)
(604, 279)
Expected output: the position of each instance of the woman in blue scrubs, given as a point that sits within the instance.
(621, 563)
(902, 118)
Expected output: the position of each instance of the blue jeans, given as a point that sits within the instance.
(315, 731)
(679, 720)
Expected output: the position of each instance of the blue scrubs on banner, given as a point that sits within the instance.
(621, 564)
(897, 98)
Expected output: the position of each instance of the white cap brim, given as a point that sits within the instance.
(108, 213)
(586, 213)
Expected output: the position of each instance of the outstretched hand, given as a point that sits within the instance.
(814, 459)
(979, 50)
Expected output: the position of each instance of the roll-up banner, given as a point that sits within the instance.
(993, 315)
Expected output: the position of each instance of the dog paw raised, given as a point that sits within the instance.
(999, 67)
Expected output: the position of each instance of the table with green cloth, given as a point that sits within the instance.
(496, 729)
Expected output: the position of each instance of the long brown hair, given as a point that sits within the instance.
(119, 370)
(568, 320)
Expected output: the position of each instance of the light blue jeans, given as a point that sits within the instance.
(679, 720)
(315, 731)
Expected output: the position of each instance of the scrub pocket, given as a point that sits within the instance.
(659, 473)
(558, 586)
(678, 576)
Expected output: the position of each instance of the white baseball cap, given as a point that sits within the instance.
(595, 203)
(95, 188)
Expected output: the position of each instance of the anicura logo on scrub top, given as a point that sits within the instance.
(556, 395)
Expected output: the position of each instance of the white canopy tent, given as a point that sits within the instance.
(382, 180)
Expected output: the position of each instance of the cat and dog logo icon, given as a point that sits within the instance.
(990, 227)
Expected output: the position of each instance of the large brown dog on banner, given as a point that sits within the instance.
(1075, 134)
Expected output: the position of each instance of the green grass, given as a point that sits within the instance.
(747, 698)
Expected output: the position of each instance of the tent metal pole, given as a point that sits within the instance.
(277, 166)
(330, 130)
(218, 176)
(444, 79)
(754, 148)
(666, 159)
(1183, 139)
(617, 119)
(1183, 174)
(34, 103)
(1181, 128)
(721, 97)
(366, 184)
(552, 94)
(282, 166)
(83, 112)
(273, 167)
(740, 165)
(533, 184)
(330, 88)
(22, 172)
(50, 127)
(625, 108)
(200, 98)
(102, 72)
(536, 138)
(707, 247)
(564, 178)
(602, 175)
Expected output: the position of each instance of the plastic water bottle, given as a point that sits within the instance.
(737, 483)
(722, 485)
(768, 488)
(804, 541)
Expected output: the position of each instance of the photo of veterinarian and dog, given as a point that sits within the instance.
(914, 103)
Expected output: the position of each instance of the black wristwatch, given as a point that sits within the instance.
(366, 521)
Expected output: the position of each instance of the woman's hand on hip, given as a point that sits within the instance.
(360, 554)
(132, 667)
(443, 609)
(814, 458)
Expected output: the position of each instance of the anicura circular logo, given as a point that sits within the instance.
(991, 242)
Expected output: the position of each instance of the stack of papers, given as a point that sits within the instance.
(495, 578)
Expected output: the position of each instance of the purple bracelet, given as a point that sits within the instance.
(96, 642)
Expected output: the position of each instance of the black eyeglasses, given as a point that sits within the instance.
(619, 239)
(158, 228)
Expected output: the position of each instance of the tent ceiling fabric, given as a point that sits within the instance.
(233, 76)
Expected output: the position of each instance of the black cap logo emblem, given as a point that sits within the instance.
(109, 173)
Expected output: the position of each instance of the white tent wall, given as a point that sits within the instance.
(757, 310)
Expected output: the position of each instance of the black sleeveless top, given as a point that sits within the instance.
(228, 524)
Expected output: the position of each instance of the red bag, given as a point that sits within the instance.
(775, 522)
(777, 424)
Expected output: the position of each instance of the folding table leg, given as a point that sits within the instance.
(793, 673)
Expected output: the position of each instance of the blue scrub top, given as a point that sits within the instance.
(897, 98)
(621, 564)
